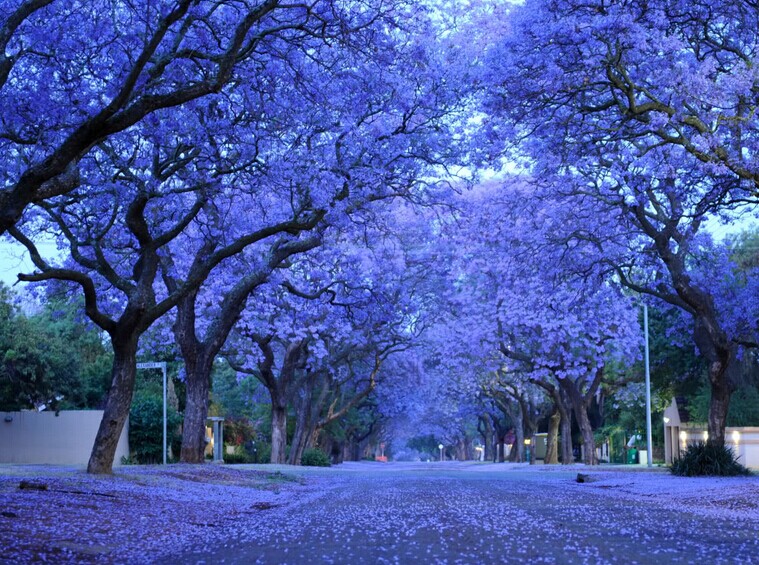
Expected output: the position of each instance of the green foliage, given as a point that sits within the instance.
(425, 444)
(233, 398)
(146, 428)
(743, 410)
(708, 459)
(53, 358)
(238, 458)
(238, 431)
(314, 458)
(263, 453)
(676, 368)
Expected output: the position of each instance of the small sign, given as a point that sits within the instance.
(152, 365)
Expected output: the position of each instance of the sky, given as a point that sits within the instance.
(14, 259)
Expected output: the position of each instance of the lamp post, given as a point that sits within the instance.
(649, 447)
(440, 447)
(159, 365)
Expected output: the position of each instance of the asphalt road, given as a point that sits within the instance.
(441, 513)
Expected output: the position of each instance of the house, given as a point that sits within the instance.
(680, 432)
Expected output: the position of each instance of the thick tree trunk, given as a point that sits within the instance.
(530, 427)
(307, 413)
(562, 403)
(580, 404)
(718, 408)
(198, 387)
(198, 362)
(720, 354)
(517, 449)
(305, 437)
(117, 406)
(485, 428)
(567, 451)
(278, 433)
(355, 450)
(298, 445)
(588, 441)
(552, 442)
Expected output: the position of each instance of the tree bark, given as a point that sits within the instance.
(552, 443)
(567, 451)
(307, 411)
(517, 449)
(718, 408)
(198, 388)
(304, 430)
(198, 364)
(117, 405)
(485, 428)
(300, 438)
(278, 433)
(580, 408)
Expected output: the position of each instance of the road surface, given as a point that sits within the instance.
(455, 513)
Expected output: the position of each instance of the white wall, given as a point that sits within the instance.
(744, 442)
(43, 437)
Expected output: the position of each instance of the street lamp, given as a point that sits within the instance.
(649, 441)
(160, 365)
(440, 447)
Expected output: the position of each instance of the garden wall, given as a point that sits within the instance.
(44, 437)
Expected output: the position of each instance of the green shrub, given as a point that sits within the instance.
(263, 453)
(314, 458)
(146, 428)
(238, 431)
(708, 459)
(237, 458)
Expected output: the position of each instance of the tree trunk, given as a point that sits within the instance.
(300, 438)
(303, 417)
(308, 410)
(198, 387)
(718, 407)
(588, 441)
(278, 433)
(567, 449)
(485, 428)
(355, 450)
(198, 366)
(580, 404)
(552, 442)
(517, 450)
(117, 406)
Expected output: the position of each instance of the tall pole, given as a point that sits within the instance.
(163, 366)
(159, 365)
(648, 391)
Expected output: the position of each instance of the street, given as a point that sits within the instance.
(455, 513)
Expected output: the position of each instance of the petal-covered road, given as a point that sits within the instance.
(455, 513)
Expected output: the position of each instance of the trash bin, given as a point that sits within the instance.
(632, 456)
